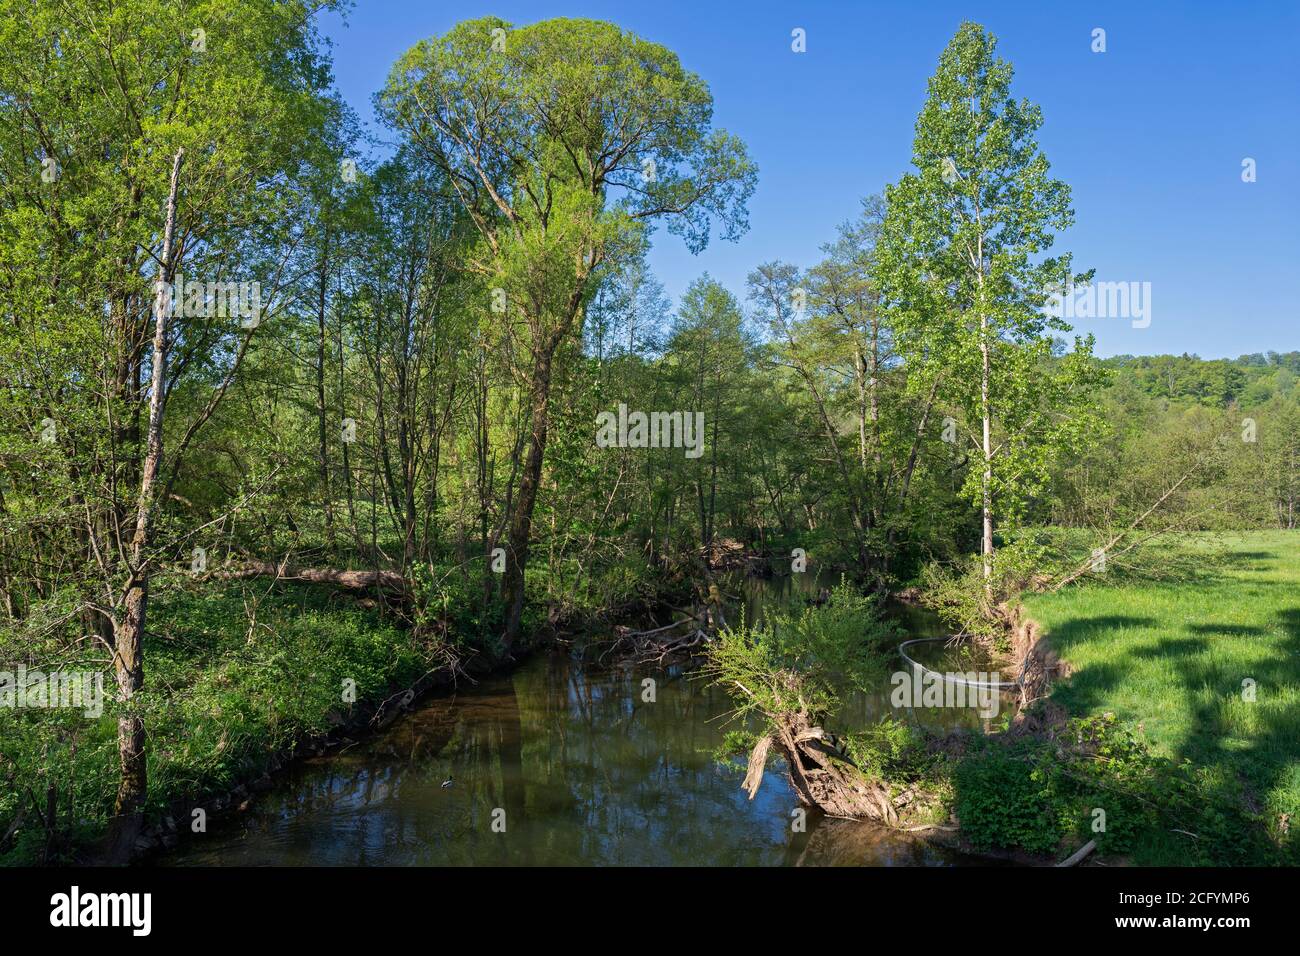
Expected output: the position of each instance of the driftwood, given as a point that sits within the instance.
(757, 764)
(1082, 852)
(726, 554)
(390, 582)
(681, 639)
(658, 644)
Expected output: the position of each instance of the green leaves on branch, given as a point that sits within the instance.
(562, 139)
(801, 661)
(965, 272)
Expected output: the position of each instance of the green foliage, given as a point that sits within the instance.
(522, 168)
(969, 605)
(1043, 796)
(452, 600)
(546, 87)
(895, 751)
(1238, 462)
(965, 270)
(1006, 799)
(1250, 380)
(799, 662)
(236, 676)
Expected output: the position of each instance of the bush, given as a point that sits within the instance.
(894, 751)
(798, 661)
(1043, 796)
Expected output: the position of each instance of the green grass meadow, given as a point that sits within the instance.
(1175, 660)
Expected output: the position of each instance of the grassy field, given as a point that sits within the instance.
(1170, 658)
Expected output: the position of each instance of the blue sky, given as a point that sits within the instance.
(1150, 134)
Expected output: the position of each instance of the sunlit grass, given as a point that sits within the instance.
(1172, 657)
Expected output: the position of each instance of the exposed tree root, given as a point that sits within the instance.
(1040, 668)
(823, 777)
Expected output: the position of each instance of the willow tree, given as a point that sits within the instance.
(965, 270)
(563, 140)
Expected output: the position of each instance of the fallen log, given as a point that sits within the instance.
(390, 582)
(1079, 854)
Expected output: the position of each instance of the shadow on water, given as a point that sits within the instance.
(576, 763)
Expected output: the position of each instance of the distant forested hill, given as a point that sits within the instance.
(1233, 424)
(1249, 380)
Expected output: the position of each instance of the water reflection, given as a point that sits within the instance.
(586, 772)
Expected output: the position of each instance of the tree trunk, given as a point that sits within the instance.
(986, 479)
(129, 650)
(521, 521)
(392, 583)
(321, 411)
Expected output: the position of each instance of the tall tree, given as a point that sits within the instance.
(710, 352)
(965, 269)
(775, 289)
(563, 140)
(95, 106)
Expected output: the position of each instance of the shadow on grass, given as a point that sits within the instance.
(1253, 764)
(1289, 621)
(1091, 687)
(1233, 630)
(1240, 762)
(1181, 566)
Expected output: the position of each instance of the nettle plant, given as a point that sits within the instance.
(802, 662)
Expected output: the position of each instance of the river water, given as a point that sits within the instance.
(561, 762)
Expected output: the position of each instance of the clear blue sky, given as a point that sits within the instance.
(1150, 134)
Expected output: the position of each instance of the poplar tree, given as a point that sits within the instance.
(966, 270)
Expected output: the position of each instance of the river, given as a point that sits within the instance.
(560, 762)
